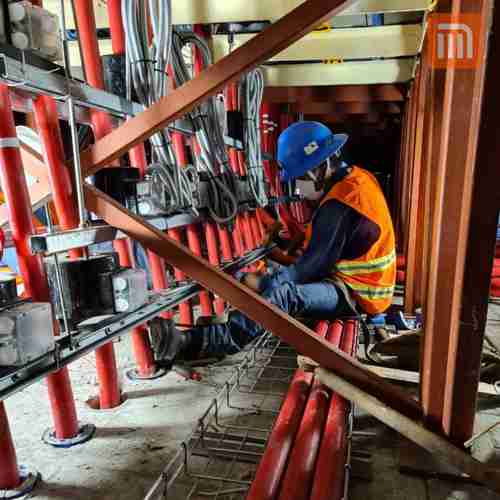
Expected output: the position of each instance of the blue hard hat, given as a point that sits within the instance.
(304, 146)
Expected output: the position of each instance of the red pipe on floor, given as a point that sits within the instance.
(297, 481)
(18, 203)
(109, 390)
(9, 471)
(328, 481)
(272, 465)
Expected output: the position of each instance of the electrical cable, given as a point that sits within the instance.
(147, 75)
(212, 158)
(252, 88)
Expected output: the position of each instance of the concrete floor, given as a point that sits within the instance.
(134, 442)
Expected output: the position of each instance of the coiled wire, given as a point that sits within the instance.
(147, 75)
(252, 91)
(213, 158)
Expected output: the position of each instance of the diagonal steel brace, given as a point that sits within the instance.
(250, 303)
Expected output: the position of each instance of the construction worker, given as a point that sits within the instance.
(349, 257)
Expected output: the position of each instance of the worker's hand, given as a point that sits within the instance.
(252, 280)
(271, 233)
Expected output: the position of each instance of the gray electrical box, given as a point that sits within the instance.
(130, 290)
(26, 333)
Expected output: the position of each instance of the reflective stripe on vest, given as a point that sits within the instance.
(370, 266)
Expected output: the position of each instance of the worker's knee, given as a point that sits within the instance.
(287, 298)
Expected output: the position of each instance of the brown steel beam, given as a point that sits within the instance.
(413, 297)
(455, 174)
(399, 181)
(348, 108)
(271, 41)
(409, 166)
(342, 93)
(466, 339)
(370, 118)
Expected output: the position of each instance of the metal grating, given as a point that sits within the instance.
(219, 459)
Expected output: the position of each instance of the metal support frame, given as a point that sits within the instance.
(69, 349)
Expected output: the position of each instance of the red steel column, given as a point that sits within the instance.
(109, 393)
(140, 342)
(18, 203)
(9, 471)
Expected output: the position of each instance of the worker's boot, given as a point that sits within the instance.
(171, 344)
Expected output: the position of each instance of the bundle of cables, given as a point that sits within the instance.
(147, 74)
(252, 90)
(212, 158)
(147, 65)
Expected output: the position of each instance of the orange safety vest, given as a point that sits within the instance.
(371, 277)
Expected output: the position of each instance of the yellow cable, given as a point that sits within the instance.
(323, 28)
(433, 5)
(335, 60)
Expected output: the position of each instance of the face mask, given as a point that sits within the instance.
(307, 189)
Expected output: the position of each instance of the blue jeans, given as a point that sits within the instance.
(315, 300)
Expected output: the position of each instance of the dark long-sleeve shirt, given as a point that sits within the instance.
(338, 232)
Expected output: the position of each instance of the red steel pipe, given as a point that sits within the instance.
(266, 484)
(225, 242)
(297, 481)
(255, 228)
(18, 203)
(193, 237)
(9, 471)
(195, 247)
(137, 154)
(140, 342)
(329, 479)
(272, 465)
(47, 123)
(87, 35)
(116, 26)
(214, 259)
(109, 390)
(185, 309)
